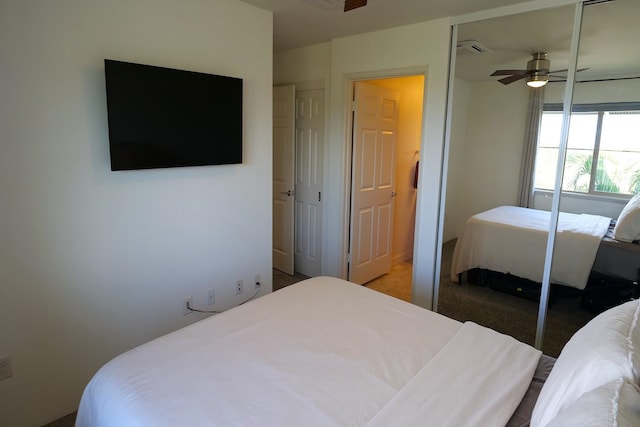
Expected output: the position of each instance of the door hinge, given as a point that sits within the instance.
(354, 105)
(349, 257)
(319, 196)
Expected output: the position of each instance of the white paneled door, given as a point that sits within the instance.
(375, 125)
(308, 171)
(283, 177)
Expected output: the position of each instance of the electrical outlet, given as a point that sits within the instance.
(238, 287)
(257, 282)
(211, 297)
(5, 367)
(188, 302)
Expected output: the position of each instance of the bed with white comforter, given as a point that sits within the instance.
(513, 240)
(326, 352)
(323, 352)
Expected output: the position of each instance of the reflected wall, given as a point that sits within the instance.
(490, 125)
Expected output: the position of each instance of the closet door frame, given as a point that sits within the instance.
(566, 117)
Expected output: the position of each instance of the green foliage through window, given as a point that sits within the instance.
(607, 132)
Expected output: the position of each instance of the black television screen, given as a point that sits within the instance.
(162, 118)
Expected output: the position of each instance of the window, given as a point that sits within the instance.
(603, 152)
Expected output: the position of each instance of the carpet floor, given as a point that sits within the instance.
(506, 313)
(66, 421)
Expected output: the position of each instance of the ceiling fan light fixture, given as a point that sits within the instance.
(537, 80)
(536, 74)
(539, 62)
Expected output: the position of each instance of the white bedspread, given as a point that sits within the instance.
(321, 352)
(513, 240)
(478, 379)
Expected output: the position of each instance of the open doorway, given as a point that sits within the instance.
(395, 276)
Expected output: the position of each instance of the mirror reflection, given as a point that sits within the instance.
(601, 171)
(504, 143)
(495, 262)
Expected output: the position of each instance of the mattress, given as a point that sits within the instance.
(513, 240)
(321, 352)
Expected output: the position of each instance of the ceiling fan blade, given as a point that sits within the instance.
(509, 72)
(565, 70)
(353, 4)
(511, 79)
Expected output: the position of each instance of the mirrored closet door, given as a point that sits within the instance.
(601, 171)
(495, 265)
(510, 100)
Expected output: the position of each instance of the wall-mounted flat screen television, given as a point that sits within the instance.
(162, 118)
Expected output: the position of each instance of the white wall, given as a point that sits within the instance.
(495, 137)
(94, 262)
(485, 160)
(303, 65)
(418, 48)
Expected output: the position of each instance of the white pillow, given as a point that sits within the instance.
(627, 227)
(605, 349)
(615, 404)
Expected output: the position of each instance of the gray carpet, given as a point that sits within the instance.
(66, 421)
(506, 313)
(280, 279)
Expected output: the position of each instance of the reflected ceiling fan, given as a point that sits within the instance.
(537, 72)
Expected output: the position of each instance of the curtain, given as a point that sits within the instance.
(532, 130)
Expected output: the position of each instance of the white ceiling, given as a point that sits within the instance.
(607, 44)
(298, 23)
(609, 31)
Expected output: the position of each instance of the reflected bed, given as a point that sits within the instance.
(513, 240)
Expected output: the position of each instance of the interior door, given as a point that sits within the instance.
(375, 124)
(308, 191)
(283, 177)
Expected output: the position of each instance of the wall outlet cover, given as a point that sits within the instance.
(186, 303)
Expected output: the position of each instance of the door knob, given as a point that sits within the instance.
(394, 194)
